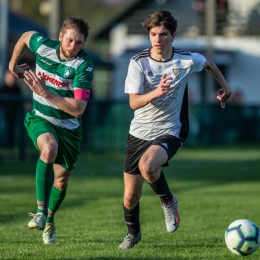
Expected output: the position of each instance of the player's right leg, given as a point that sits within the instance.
(44, 138)
(133, 184)
(38, 221)
(48, 147)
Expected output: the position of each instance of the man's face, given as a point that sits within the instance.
(161, 39)
(71, 43)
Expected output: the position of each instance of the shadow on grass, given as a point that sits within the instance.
(98, 175)
(210, 165)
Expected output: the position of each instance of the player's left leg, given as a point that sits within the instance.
(44, 182)
(44, 138)
(149, 165)
(58, 193)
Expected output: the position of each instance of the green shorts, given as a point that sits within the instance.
(69, 141)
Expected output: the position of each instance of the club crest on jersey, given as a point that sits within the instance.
(67, 72)
(176, 72)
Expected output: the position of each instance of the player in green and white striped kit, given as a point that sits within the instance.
(61, 88)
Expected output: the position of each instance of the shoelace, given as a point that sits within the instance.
(50, 229)
(35, 216)
(128, 237)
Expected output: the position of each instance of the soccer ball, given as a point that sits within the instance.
(242, 237)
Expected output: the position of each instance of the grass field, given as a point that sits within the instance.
(215, 187)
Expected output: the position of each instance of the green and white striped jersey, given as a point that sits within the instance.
(61, 78)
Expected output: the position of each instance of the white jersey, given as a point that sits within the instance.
(167, 114)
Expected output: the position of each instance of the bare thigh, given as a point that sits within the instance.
(151, 161)
(48, 147)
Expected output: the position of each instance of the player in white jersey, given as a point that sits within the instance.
(61, 88)
(156, 82)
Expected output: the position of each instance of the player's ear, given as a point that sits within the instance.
(173, 36)
(60, 36)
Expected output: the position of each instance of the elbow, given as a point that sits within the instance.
(229, 93)
(209, 64)
(80, 109)
(78, 113)
(133, 107)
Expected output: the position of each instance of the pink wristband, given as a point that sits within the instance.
(81, 94)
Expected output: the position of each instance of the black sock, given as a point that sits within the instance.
(161, 189)
(132, 219)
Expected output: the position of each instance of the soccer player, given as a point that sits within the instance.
(61, 88)
(157, 86)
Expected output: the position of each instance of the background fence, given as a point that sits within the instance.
(106, 125)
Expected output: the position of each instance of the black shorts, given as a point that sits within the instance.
(136, 147)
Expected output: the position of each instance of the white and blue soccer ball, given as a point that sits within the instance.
(242, 237)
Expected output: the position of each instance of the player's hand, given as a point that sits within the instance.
(19, 70)
(37, 85)
(163, 87)
(223, 97)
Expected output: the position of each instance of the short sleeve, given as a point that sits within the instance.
(36, 41)
(135, 78)
(84, 76)
(198, 62)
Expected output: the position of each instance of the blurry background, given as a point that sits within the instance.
(228, 31)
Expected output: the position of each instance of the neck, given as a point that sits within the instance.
(59, 53)
(161, 56)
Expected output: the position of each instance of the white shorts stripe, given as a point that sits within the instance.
(70, 124)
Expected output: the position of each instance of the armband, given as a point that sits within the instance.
(81, 94)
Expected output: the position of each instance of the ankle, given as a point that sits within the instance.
(168, 202)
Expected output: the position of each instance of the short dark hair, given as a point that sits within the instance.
(161, 17)
(77, 24)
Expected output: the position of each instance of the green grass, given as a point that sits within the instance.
(214, 186)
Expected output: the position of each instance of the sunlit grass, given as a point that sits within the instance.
(214, 186)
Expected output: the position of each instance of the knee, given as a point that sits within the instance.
(130, 200)
(147, 171)
(49, 152)
(61, 184)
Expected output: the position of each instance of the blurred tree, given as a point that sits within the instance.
(95, 12)
(253, 23)
(29, 9)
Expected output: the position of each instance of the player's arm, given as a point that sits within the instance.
(140, 100)
(222, 95)
(73, 106)
(18, 51)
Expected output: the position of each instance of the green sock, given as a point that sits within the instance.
(44, 182)
(56, 198)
